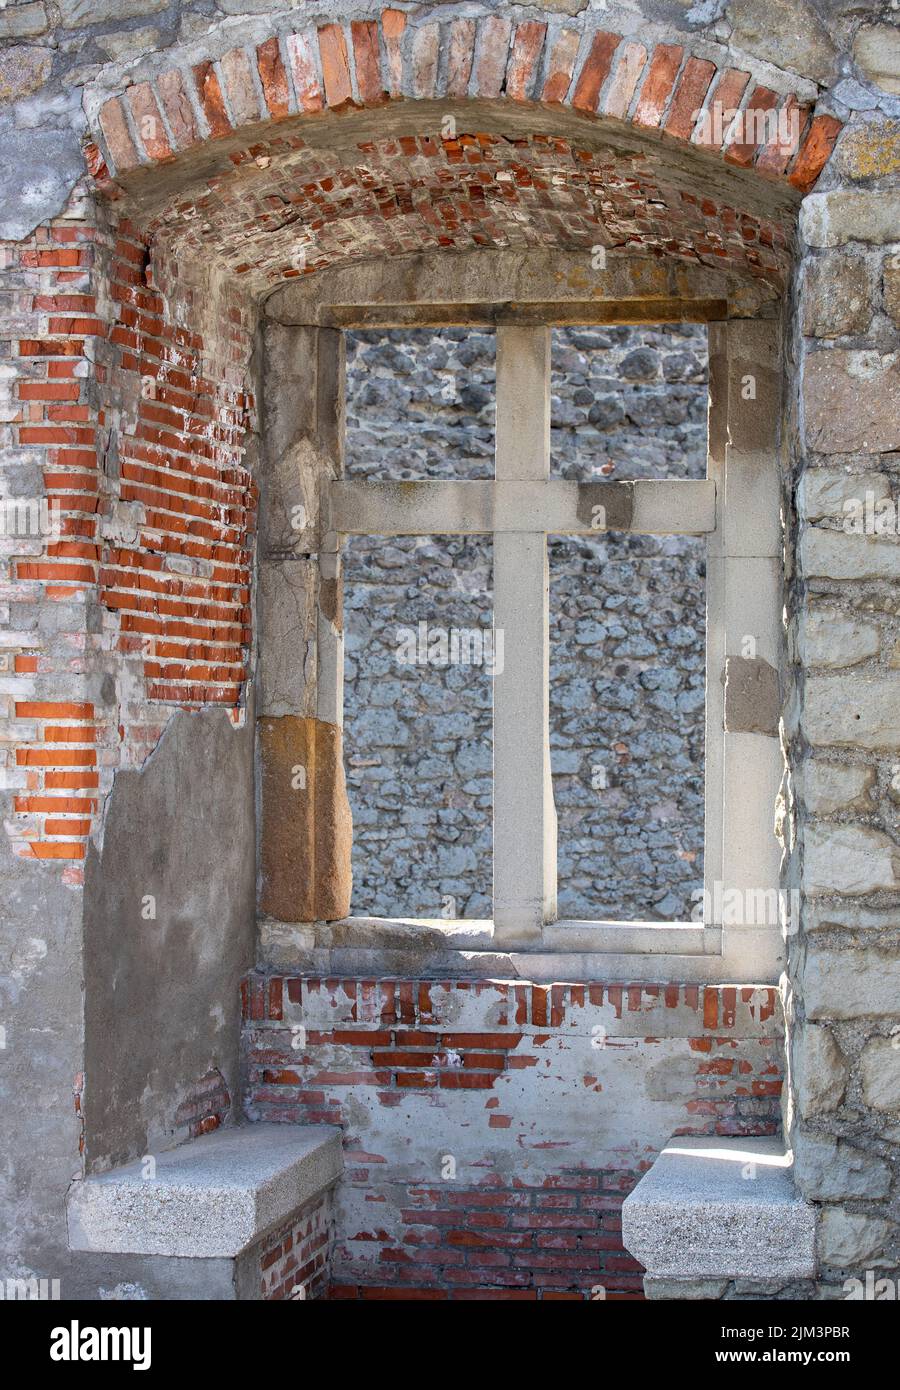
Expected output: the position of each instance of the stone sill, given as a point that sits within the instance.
(209, 1198)
(626, 952)
(713, 1209)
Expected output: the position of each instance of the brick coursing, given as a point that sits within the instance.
(138, 427)
(293, 1262)
(496, 1069)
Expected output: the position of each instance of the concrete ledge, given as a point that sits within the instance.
(211, 1197)
(717, 1209)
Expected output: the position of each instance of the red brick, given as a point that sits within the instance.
(658, 84)
(273, 77)
(364, 35)
(723, 106)
(211, 100)
(393, 23)
(689, 96)
(814, 152)
(594, 71)
(753, 134)
(778, 153)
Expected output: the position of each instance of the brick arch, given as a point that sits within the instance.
(331, 141)
(661, 88)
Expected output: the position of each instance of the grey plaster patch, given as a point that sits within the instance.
(752, 696)
(210, 1198)
(713, 1208)
(38, 172)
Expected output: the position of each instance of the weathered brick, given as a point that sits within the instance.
(625, 78)
(117, 135)
(177, 106)
(425, 52)
(211, 99)
(460, 56)
(492, 50)
(526, 51)
(335, 65)
(814, 152)
(560, 66)
(722, 108)
(274, 80)
(303, 71)
(753, 131)
(393, 24)
(657, 86)
(239, 86)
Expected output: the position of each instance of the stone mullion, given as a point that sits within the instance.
(524, 814)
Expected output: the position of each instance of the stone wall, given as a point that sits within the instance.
(627, 631)
(845, 723)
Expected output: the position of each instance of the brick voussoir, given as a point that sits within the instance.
(366, 62)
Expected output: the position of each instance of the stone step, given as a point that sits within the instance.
(715, 1209)
(210, 1198)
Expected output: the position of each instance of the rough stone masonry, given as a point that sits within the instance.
(173, 174)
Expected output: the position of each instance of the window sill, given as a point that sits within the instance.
(570, 950)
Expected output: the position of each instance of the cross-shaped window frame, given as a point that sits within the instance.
(737, 508)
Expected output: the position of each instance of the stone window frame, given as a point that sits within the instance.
(744, 764)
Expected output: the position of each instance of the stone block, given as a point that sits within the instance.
(879, 1069)
(819, 1069)
(834, 638)
(876, 52)
(858, 982)
(847, 1239)
(891, 286)
(836, 296)
(826, 1170)
(852, 401)
(788, 33)
(208, 1199)
(713, 1208)
(849, 214)
(861, 711)
(839, 555)
(833, 492)
(306, 825)
(829, 787)
(849, 859)
(752, 696)
(871, 151)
